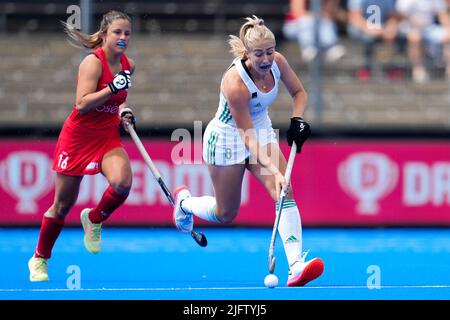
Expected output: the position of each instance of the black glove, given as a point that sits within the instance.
(123, 113)
(299, 131)
(121, 81)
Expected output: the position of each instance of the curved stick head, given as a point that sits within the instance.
(272, 265)
(199, 238)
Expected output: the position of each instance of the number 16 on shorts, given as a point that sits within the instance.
(63, 158)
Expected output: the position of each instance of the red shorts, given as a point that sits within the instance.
(80, 150)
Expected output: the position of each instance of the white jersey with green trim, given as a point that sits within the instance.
(222, 142)
(259, 102)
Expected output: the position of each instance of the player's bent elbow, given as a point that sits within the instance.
(81, 108)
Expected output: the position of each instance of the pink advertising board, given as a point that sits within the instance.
(336, 182)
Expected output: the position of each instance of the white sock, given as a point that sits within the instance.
(203, 207)
(290, 231)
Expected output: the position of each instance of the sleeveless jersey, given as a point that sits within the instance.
(106, 115)
(259, 102)
(86, 138)
(222, 143)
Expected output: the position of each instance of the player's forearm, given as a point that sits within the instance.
(257, 151)
(300, 103)
(92, 100)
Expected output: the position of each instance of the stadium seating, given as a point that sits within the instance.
(178, 74)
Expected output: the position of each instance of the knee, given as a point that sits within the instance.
(62, 207)
(121, 186)
(227, 216)
(414, 37)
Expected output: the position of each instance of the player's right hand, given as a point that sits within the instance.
(126, 116)
(121, 81)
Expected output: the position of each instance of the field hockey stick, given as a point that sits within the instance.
(198, 237)
(287, 177)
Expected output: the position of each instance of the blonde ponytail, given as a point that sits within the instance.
(81, 40)
(251, 31)
(92, 41)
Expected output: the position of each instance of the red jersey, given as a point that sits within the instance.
(106, 115)
(86, 138)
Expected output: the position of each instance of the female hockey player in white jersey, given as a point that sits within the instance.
(241, 137)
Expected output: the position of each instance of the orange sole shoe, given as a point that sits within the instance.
(313, 270)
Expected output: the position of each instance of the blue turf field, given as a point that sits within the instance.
(163, 264)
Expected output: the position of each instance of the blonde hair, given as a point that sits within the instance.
(251, 31)
(91, 41)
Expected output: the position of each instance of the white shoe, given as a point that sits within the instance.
(92, 232)
(334, 53)
(420, 75)
(308, 54)
(301, 272)
(38, 269)
(183, 220)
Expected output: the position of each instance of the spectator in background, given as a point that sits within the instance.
(423, 33)
(371, 22)
(299, 25)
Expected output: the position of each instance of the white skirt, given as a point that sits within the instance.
(223, 145)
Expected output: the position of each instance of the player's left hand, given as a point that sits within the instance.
(299, 131)
(126, 116)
